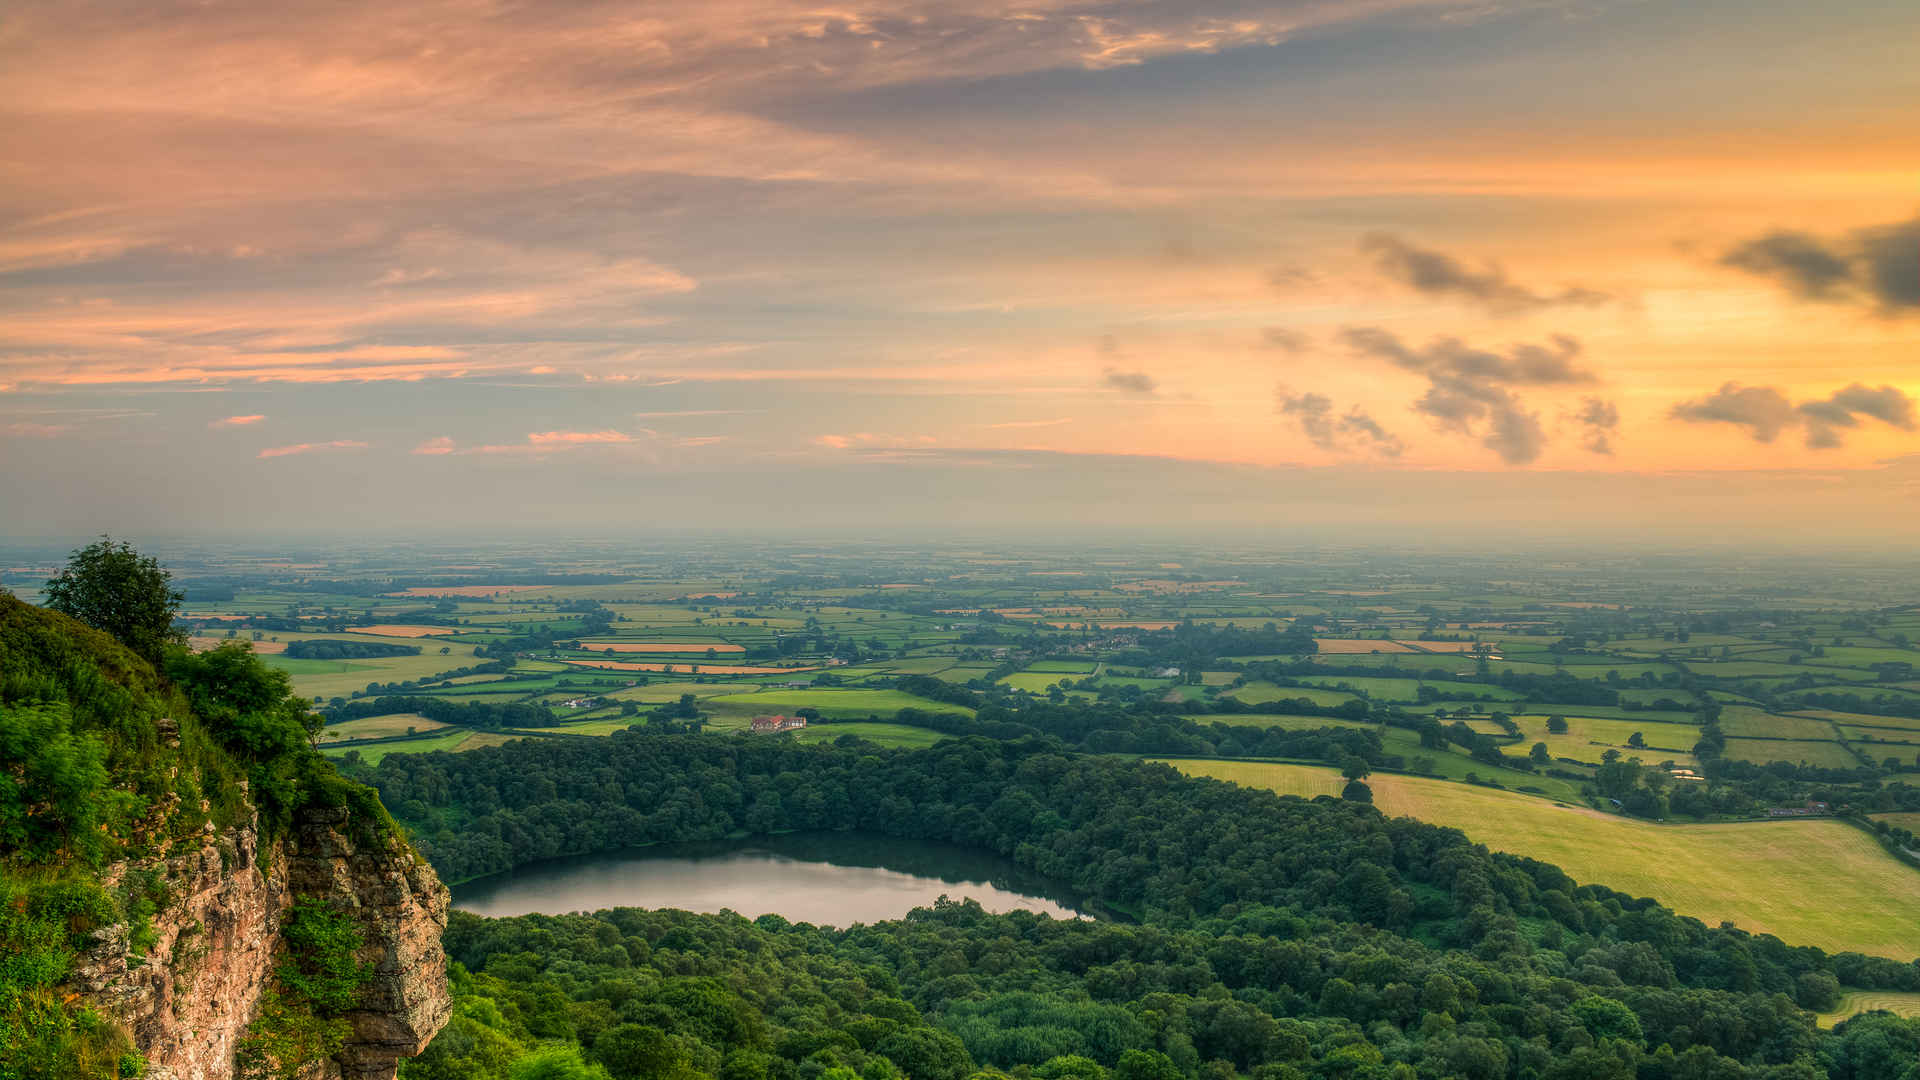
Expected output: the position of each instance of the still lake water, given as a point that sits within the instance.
(830, 879)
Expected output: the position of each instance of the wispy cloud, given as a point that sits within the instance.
(1439, 274)
(237, 421)
(311, 447)
(1130, 382)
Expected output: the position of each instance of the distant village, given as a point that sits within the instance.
(770, 725)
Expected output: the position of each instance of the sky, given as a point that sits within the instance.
(1616, 267)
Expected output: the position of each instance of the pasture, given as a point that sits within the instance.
(379, 727)
(884, 734)
(1588, 738)
(852, 703)
(1855, 1002)
(1827, 755)
(1809, 882)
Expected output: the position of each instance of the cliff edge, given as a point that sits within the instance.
(201, 896)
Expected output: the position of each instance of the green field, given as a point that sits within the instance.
(1260, 693)
(884, 734)
(1738, 721)
(1855, 1002)
(1830, 755)
(1589, 737)
(446, 740)
(338, 678)
(1809, 882)
(1036, 682)
(1404, 690)
(851, 703)
(379, 727)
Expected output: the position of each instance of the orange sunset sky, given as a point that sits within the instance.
(1544, 264)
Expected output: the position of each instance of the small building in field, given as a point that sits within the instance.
(769, 725)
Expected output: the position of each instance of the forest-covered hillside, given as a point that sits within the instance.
(1278, 938)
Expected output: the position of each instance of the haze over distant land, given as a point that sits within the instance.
(1560, 268)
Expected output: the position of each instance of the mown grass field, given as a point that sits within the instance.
(1588, 738)
(380, 727)
(884, 734)
(1830, 755)
(853, 703)
(1855, 1002)
(1809, 882)
(1260, 693)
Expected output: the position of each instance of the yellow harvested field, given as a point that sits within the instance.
(1341, 646)
(1451, 646)
(1809, 881)
(379, 727)
(199, 643)
(397, 630)
(467, 590)
(1111, 624)
(661, 646)
(689, 669)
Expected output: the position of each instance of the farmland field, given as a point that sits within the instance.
(1829, 755)
(831, 702)
(884, 734)
(1260, 693)
(1805, 881)
(1855, 1002)
(379, 727)
(661, 647)
(1589, 737)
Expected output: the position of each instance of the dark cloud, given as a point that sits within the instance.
(1439, 274)
(1877, 266)
(1762, 410)
(1315, 414)
(1765, 412)
(1801, 262)
(1280, 337)
(1600, 418)
(1133, 382)
(1355, 430)
(1468, 389)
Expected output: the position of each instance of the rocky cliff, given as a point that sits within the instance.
(191, 997)
(188, 889)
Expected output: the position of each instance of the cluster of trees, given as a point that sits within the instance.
(1278, 939)
(322, 649)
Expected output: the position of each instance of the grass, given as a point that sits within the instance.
(380, 727)
(884, 734)
(1377, 689)
(1829, 755)
(1036, 681)
(445, 740)
(338, 678)
(1260, 693)
(1855, 1002)
(852, 703)
(1809, 882)
(1741, 720)
(1589, 737)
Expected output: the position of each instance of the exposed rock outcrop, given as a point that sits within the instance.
(188, 1001)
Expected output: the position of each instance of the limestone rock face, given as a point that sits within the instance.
(189, 1000)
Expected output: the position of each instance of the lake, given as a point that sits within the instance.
(829, 879)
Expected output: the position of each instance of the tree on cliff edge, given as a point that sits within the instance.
(111, 587)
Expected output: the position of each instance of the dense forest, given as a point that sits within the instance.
(1276, 938)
